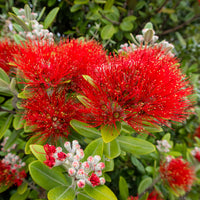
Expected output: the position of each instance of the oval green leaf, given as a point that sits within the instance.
(112, 149)
(85, 129)
(45, 177)
(123, 188)
(6, 125)
(145, 183)
(135, 146)
(50, 17)
(101, 192)
(94, 148)
(126, 26)
(38, 151)
(107, 32)
(109, 133)
(4, 76)
(61, 193)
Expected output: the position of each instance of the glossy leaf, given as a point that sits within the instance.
(138, 164)
(41, 14)
(107, 32)
(101, 192)
(84, 196)
(61, 193)
(6, 125)
(112, 149)
(109, 133)
(94, 148)
(38, 151)
(22, 188)
(4, 76)
(50, 17)
(81, 1)
(109, 163)
(145, 183)
(45, 177)
(18, 122)
(135, 146)
(152, 128)
(17, 196)
(85, 129)
(126, 26)
(123, 188)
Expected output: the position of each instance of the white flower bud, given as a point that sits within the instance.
(81, 183)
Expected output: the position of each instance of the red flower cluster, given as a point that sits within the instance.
(146, 85)
(178, 174)
(152, 196)
(9, 176)
(7, 51)
(50, 113)
(49, 150)
(94, 180)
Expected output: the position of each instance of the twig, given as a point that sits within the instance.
(113, 22)
(5, 110)
(179, 26)
(161, 7)
(150, 187)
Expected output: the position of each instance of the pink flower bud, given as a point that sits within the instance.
(100, 166)
(71, 171)
(58, 149)
(75, 164)
(90, 159)
(80, 153)
(102, 181)
(81, 173)
(97, 158)
(85, 165)
(67, 146)
(98, 173)
(81, 183)
(76, 157)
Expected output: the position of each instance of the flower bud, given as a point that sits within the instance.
(81, 183)
(71, 171)
(102, 181)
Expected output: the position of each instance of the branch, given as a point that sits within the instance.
(179, 26)
(113, 22)
(150, 187)
(161, 7)
(5, 110)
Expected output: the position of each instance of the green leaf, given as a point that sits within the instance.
(167, 137)
(101, 192)
(89, 80)
(4, 187)
(50, 17)
(17, 196)
(22, 188)
(109, 4)
(61, 193)
(4, 76)
(84, 196)
(145, 183)
(41, 14)
(38, 151)
(149, 25)
(181, 39)
(6, 125)
(18, 122)
(15, 10)
(94, 148)
(20, 22)
(123, 188)
(109, 133)
(12, 139)
(35, 139)
(112, 149)
(107, 32)
(138, 164)
(109, 165)
(27, 10)
(81, 1)
(18, 39)
(130, 18)
(45, 177)
(126, 26)
(75, 7)
(152, 128)
(135, 146)
(85, 129)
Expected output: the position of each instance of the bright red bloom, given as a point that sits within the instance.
(178, 174)
(7, 50)
(50, 161)
(197, 156)
(61, 156)
(197, 132)
(42, 65)
(152, 196)
(9, 176)
(146, 85)
(50, 114)
(94, 180)
(82, 57)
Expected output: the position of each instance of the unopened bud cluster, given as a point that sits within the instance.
(196, 153)
(87, 172)
(163, 146)
(7, 149)
(147, 39)
(36, 30)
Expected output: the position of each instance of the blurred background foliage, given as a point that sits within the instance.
(111, 22)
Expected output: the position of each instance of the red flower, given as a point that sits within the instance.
(147, 85)
(50, 114)
(94, 180)
(61, 156)
(197, 156)
(42, 65)
(8, 176)
(82, 58)
(7, 50)
(178, 174)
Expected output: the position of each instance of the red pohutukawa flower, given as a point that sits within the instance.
(82, 57)
(7, 50)
(94, 179)
(10, 176)
(42, 65)
(177, 173)
(50, 113)
(146, 85)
